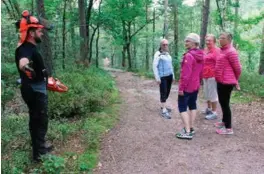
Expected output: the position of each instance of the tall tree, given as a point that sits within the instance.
(176, 28)
(153, 33)
(165, 29)
(204, 24)
(261, 62)
(64, 33)
(147, 41)
(236, 21)
(89, 13)
(46, 43)
(83, 32)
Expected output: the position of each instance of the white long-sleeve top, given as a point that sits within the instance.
(162, 65)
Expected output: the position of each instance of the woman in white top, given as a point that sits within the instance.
(164, 75)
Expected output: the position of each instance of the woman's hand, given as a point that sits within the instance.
(181, 93)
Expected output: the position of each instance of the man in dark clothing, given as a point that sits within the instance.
(33, 76)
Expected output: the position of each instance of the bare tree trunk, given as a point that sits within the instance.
(220, 16)
(176, 29)
(64, 34)
(128, 46)
(46, 43)
(261, 62)
(165, 30)
(153, 34)
(89, 11)
(204, 24)
(147, 42)
(91, 43)
(135, 47)
(124, 44)
(236, 24)
(112, 57)
(97, 48)
(83, 32)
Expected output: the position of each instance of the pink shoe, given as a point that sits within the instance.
(224, 131)
(219, 124)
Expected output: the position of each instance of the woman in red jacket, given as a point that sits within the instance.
(227, 73)
(211, 53)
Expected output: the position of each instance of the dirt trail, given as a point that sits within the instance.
(143, 142)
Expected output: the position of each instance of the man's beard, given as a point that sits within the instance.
(37, 39)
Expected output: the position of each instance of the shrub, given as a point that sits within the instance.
(89, 91)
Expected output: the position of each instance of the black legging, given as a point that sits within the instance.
(165, 87)
(224, 93)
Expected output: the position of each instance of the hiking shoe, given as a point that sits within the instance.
(212, 116)
(192, 130)
(184, 135)
(207, 111)
(166, 115)
(224, 131)
(219, 124)
(168, 109)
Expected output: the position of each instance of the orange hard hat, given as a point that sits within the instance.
(27, 21)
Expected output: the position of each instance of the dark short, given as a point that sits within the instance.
(188, 100)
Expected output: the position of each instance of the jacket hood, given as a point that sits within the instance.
(197, 54)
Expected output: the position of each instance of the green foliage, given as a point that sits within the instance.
(53, 164)
(252, 83)
(89, 91)
(9, 76)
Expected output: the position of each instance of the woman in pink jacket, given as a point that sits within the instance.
(227, 73)
(191, 75)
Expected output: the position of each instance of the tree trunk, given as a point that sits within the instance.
(128, 46)
(64, 34)
(176, 29)
(165, 30)
(83, 33)
(91, 44)
(236, 34)
(89, 11)
(135, 47)
(147, 42)
(261, 62)
(220, 16)
(112, 57)
(32, 7)
(204, 24)
(124, 44)
(46, 43)
(153, 34)
(97, 48)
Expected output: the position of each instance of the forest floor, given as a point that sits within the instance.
(144, 142)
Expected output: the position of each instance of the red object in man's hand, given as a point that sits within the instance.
(55, 85)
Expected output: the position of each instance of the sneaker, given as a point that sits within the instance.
(219, 124)
(224, 131)
(192, 130)
(212, 116)
(207, 111)
(184, 135)
(169, 110)
(166, 115)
